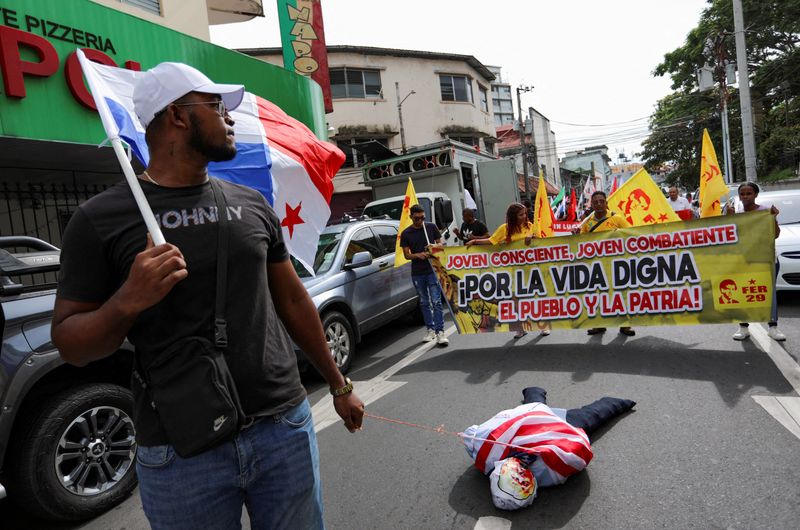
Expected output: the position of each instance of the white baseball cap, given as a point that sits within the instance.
(166, 82)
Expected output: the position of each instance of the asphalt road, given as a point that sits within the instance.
(698, 451)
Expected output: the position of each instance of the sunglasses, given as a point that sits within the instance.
(217, 105)
(417, 217)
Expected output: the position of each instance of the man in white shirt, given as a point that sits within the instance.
(679, 204)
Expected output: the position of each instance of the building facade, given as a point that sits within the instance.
(401, 99)
(585, 160)
(502, 101)
(191, 17)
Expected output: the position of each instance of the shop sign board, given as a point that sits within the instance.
(43, 94)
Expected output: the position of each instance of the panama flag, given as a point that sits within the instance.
(276, 154)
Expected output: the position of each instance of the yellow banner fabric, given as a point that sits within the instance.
(702, 271)
(543, 221)
(712, 185)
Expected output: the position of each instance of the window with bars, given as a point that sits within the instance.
(456, 88)
(355, 83)
(152, 6)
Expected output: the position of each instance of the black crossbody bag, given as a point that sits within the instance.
(190, 386)
(601, 221)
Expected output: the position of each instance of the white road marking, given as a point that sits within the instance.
(491, 522)
(785, 363)
(786, 410)
(372, 390)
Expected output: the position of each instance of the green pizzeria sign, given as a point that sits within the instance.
(43, 93)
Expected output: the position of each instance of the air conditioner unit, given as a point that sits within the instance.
(443, 159)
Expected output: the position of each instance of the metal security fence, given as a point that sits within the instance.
(41, 210)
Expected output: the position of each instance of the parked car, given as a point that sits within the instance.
(787, 246)
(356, 287)
(67, 439)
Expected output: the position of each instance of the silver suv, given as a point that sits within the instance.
(356, 286)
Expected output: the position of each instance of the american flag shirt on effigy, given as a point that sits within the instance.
(561, 450)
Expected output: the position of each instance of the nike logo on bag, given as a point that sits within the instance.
(219, 421)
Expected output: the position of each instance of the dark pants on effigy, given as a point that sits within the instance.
(589, 417)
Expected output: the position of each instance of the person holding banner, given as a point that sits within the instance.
(603, 220)
(415, 242)
(748, 192)
(115, 283)
(517, 227)
(471, 228)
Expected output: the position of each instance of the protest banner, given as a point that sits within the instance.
(704, 271)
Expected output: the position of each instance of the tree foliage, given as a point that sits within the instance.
(773, 33)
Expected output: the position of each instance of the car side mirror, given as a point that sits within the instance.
(360, 259)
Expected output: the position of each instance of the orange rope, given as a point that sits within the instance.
(441, 430)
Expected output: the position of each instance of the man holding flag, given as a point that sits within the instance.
(115, 283)
(415, 242)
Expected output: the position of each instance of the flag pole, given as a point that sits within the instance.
(138, 194)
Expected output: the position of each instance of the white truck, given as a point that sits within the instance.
(445, 175)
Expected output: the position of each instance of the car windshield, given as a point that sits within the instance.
(326, 252)
(394, 208)
(788, 206)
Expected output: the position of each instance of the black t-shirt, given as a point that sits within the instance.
(102, 240)
(476, 227)
(414, 238)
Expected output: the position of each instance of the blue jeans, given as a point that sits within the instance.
(430, 300)
(271, 467)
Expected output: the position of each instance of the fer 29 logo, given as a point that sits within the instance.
(739, 291)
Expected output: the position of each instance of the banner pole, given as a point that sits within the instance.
(138, 194)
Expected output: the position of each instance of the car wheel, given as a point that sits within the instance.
(340, 338)
(75, 456)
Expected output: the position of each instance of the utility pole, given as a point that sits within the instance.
(400, 115)
(721, 70)
(523, 145)
(748, 134)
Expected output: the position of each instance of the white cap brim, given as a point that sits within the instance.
(232, 95)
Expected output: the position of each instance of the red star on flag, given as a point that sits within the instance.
(752, 282)
(663, 217)
(292, 218)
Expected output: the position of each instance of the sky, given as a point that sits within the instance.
(590, 62)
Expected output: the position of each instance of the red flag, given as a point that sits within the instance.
(573, 207)
(614, 186)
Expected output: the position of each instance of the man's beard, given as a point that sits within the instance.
(200, 143)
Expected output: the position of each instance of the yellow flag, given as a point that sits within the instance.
(712, 185)
(405, 222)
(641, 201)
(543, 215)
